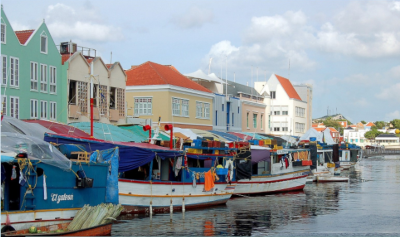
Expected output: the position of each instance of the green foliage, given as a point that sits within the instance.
(373, 133)
(333, 123)
(363, 122)
(380, 124)
(396, 123)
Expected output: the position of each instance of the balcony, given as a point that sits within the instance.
(114, 115)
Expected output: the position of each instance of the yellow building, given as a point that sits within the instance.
(154, 90)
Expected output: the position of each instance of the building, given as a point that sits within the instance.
(32, 86)
(253, 107)
(227, 107)
(387, 139)
(287, 113)
(108, 86)
(154, 90)
(305, 93)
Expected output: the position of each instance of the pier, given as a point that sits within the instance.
(366, 153)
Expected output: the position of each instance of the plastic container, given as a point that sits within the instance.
(196, 143)
(222, 171)
(313, 139)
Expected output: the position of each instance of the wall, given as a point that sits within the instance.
(249, 109)
(220, 117)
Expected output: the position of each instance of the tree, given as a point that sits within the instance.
(380, 124)
(395, 123)
(373, 133)
(333, 123)
(363, 122)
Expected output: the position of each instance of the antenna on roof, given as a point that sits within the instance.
(209, 66)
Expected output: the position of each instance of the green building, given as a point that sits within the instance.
(32, 86)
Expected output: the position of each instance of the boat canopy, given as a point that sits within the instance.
(311, 133)
(35, 148)
(138, 129)
(328, 137)
(13, 125)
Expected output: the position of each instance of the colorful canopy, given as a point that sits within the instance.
(138, 129)
(59, 128)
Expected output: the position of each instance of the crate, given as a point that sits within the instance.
(274, 142)
(256, 142)
(195, 151)
(196, 143)
(216, 152)
(330, 165)
(279, 147)
(261, 143)
(82, 156)
(216, 144)
(222, 171)
(267, 141)
(297, 163)
(306, 162)
(222, 145)
(204, 144)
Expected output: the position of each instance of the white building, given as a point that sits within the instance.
(387, 139)
(287, 112)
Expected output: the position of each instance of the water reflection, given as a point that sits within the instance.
(319, 208)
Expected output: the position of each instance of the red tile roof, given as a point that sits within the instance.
(333, 129)
(288, 87)
(23, 35)
(150, 73)
(64, 58)
(320, 129)
(109, 65)
(89, 60)
(315, 125)
(343, 124)
(370, 124)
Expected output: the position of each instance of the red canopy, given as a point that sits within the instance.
(240, 135)
(60, 128)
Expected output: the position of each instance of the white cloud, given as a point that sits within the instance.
(393, 115)
(18, 26)
(80, 24)
(391, 92)
(195, 17)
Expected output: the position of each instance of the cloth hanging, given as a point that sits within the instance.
(22, 179)
(286, 162)
(178, 165)
(208, 181)
(229, 166)
(194, 180)
(44, 188)
(243, 169)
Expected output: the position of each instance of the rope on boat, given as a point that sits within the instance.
(92, 216)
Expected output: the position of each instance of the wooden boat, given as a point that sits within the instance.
(51, 230)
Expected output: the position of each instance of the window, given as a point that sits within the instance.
(233, 116)
(273, 94)
(43, 43)
(34, 76)
(255, 120)
(14, 72)
(4, 69)
(261, 121)
(185, 108)
(216, 117)
(3, 33)
(206, 110)
(34, 109)
(43, 109)
(247, 119)
(143, 106)
(43, 78)
(223, 107)
(285, 110)
(199, 109)
(103, 101)
(121, 102)
(53, 80)
(82, 95)
(285, 127)
(176, 107)
(53, 110)
(300, 127)
(276, 110)
(300, 112)
(4, 104)
(14, 106)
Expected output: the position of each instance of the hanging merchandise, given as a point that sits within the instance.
(194, 179)
(178, 165)
(22, 179)
(13, 173)
(208, 181)
(229, 166)
(286, 162)
(198, 176)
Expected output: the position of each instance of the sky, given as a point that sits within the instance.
(348, 50)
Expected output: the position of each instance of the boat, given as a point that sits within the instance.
(42, 187)
(330, 178)
(275, 171)
(148, 182)
(60, 230)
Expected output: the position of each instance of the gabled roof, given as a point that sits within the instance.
(150, 73)
(23, 35)
(370, 124)
(319, 129)
(288, 87)
(65, 58)
(333, 129)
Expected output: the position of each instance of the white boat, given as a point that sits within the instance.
(330, 178)
(276, 177)
(138, 196)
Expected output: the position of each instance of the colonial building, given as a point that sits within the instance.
(287, 113)
(31, 86)
(154, 90)
(108, 86)
(305, 93)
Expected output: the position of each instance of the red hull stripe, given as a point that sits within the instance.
(163, 183)
(301, 187)
(272, 181)
(22, 222)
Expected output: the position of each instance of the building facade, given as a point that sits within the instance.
(108, 88)
(32, 86)
(154, 90)
(305, 93)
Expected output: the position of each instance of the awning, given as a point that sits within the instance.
(199, 74)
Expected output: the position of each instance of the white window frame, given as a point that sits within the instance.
(4, 71)
(14, 105)
(143, 107)
(4, 104)
(199, 109)
(14, 72)
(43, 109)
(34, 78)
(34, 109)
(176, 107)
(43, 35)
(3, 39)
(255, 120)
(53, 79)
(185, 108)
(206, 110)
(43, 78)
(53, 110)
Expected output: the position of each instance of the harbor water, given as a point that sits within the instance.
(367, 205)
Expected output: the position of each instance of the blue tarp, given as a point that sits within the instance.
(5, 158)
(251, 135)
(131, 155)
(227, 136)
(110, 156)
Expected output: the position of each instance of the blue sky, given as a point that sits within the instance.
(348, 50)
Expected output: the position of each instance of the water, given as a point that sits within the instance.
(367, 205)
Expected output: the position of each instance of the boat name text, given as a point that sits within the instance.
(57, 198)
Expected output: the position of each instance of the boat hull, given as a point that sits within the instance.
(137, 196)
(272, 183)
(20, 220)
(327, 179)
